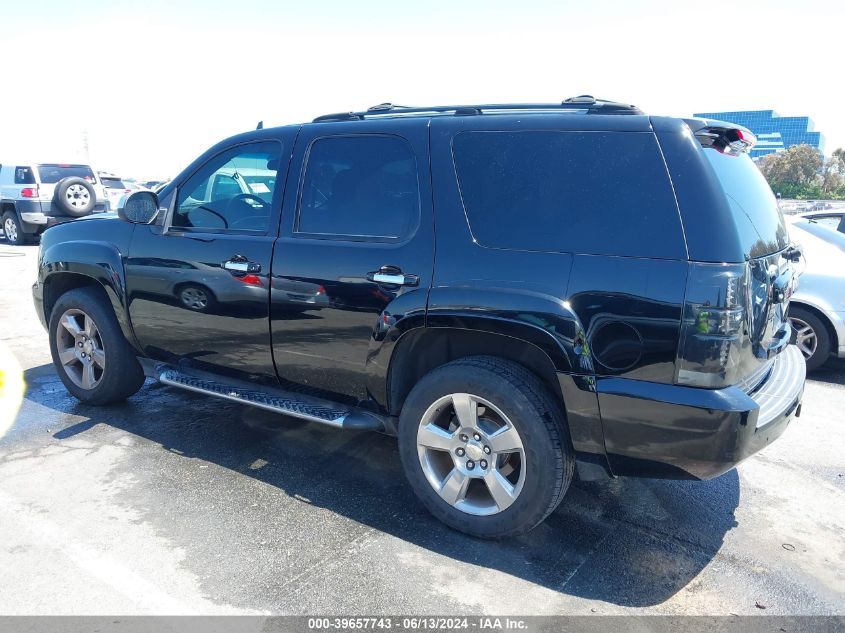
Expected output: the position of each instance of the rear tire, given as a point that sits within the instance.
(811, 336)
(13, 230)
(484, 446)
(92, 357)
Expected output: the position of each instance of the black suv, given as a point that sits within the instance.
(516, 291)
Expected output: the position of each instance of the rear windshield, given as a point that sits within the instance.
(52, 173)
(761, 227)
(113, 183)
(602, 193)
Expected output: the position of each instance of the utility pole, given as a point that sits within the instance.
(85, 146)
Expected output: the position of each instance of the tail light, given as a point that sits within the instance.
(713, 327)
(29, 192)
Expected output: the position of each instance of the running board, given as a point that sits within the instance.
(296, 405)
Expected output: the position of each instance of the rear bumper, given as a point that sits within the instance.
(38, 215)
(656, 430)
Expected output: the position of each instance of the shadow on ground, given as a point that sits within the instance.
(832, 372)
(628, 542)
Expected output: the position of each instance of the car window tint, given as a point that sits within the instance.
(758, 218)
(831, 221)
(112, 183)
(233, 191)
(52, 173)
(604, 193)
(24, 176)
(359, 187)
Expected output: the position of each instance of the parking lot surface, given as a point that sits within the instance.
(175, 503)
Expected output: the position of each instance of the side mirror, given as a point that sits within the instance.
(140, 207)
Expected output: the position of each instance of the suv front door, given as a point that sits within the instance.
(198, 282)
(355, 252)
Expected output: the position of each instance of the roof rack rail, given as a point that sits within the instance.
(587, 103)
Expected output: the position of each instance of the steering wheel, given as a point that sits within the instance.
(249, 199)
(243, 197)
(213, 212)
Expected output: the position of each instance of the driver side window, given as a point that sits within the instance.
(231, 192)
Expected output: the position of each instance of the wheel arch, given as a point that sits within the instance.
(68, 265)
(421, 350)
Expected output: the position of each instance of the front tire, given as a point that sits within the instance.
(484, 446)
(93, 359)
(811, 336)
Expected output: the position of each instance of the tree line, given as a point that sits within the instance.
(802, 172)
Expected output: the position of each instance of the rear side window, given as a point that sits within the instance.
(603, 193)
(52, 173)
(359, 187)
(762, 230)
(24, 176)
(112, 183)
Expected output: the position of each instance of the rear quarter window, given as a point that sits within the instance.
(603, 193)
(24, 176)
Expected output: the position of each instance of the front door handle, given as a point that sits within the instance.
(393, 276)
(240, 264)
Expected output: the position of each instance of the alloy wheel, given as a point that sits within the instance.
(805, 337)
(80, 349)
(471, 454)
(194, 298)
(11, 230)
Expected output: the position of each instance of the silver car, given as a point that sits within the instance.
(817, 309)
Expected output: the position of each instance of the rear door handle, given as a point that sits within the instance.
(240, 264)
(393, 276)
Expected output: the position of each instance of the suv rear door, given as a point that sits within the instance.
(355, 252)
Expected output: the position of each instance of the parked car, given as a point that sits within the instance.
(34, 196)
(817, 310)
(516, 291)
(116, 188)
(832, 219)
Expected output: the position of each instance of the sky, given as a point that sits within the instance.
(153, 84)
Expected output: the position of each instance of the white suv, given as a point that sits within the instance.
(34, 196)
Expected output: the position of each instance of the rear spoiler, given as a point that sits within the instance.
(724, 137)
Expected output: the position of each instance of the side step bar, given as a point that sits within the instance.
(278, 401)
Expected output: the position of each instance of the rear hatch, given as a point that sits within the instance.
(49, 174)
(115, 190)
(735, 314)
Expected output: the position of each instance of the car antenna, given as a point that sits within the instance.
(260, 125)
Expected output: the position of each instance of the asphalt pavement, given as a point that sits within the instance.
(174, 503)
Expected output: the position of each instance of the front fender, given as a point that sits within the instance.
(99, 261)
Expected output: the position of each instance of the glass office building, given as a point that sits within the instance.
(774, 132)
